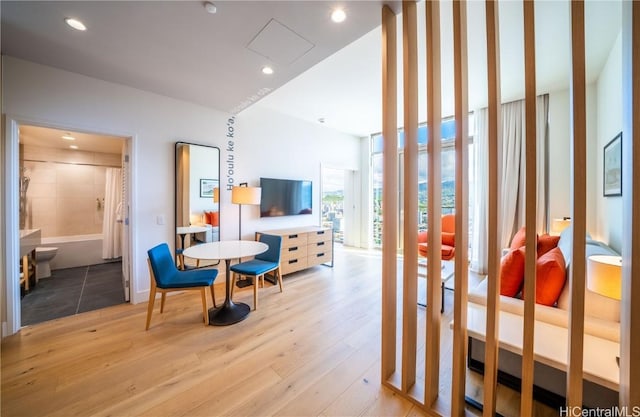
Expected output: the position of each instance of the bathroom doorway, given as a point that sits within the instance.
(72, 203)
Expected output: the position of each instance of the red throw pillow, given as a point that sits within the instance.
(546, 243)
(449, 239)
(207, 217)
(519, 239)
(512, 272)
(215, 218)
(550, 277)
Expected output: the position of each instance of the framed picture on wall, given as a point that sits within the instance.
(612, 167)
(206, 187)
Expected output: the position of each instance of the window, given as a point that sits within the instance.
(448, 175)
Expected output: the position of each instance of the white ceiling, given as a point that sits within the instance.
(345, 89)
(176, 49)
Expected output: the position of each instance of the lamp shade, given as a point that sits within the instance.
(558, 225)
(246, 195)
(604, 275)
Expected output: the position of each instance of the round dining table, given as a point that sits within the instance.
(229, 312)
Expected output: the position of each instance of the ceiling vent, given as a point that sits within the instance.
(279, 44)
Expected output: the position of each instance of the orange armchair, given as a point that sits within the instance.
(448, 238)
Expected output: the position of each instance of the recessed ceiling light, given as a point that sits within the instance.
(338, 16)
(73, 146)
(68, 137)
(210, 7)
(75, 23)
(321, 120)
(267, 70)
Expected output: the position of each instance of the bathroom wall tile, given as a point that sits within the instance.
(75, 216)
(111, 159)
(74, 174)
(99, 175)
(41, 214)
(78, 157)
(77, 190)
(39, 153)
(41, 190)
(40, 172)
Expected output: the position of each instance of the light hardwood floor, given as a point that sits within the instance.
(313, 350)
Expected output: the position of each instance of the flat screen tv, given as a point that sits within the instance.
(285, 197)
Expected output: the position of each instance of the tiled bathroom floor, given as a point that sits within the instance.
(72, 291)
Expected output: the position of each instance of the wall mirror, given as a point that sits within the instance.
(197, 195)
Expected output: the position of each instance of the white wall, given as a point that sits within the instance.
(273, 145)
(267, 144)
(560, 191)
(609, 85)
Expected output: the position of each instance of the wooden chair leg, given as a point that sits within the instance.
(213, 296)
(277, 271)
(164, 296)
(152, 300)
(205, 312)
(256, 281)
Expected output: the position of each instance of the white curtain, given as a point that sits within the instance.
(511, 176)
(511, 172)
(111, 220)
(481, 185)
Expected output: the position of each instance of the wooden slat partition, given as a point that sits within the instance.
(531, 187)
(390, 193)
(410, 253)
(493, 287)
(579, 212)
(630, 310)
(461, 272)
(434, 204)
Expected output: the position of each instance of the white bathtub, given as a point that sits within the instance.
(77, 250)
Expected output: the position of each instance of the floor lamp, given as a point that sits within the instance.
(243, 194)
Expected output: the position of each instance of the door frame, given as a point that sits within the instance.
(11, 232)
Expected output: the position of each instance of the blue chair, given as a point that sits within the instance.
(165, 277)
(265, 262)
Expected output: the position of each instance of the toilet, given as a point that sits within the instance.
(43, 256)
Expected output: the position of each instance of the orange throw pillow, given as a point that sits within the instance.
(215, 218)
(519, 239)
(550, 277)
(546, 243)
(207, 217)
(512, 272)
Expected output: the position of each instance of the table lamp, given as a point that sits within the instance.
(604, 277)
(558, 225)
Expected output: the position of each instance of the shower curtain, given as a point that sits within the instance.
(111, 222)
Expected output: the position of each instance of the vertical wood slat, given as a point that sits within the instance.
(579, 156)
(630, 310)
(390, 192)
(410, 271)
(493, 109)
(531, 186)
(434, 204)
(461, 273)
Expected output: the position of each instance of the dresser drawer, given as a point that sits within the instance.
(319, 258)
(293, 252)
(294, 239)
(319, 236)
(319, 247)
(292, 265)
